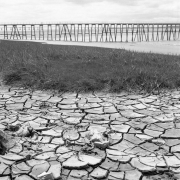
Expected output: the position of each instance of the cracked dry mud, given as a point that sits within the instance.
(90, 136)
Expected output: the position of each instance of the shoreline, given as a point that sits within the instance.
(160, 47)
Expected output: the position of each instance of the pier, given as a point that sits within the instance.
(92, 32)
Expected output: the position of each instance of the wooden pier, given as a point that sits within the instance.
(92, 32)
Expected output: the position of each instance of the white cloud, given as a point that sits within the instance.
(89, 11)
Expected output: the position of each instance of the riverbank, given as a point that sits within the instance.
(82, 68)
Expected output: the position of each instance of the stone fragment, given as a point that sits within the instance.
(161, 176)
(97, 128)
(134, 131)
(78, 173)
(117, 155)
(23, 177)
(172, 161)
(110, 165)
(110, 110)
(52, 132)
(99, 173)
(5, 178)
(140, 166)
(54, 99)
(97, 117)
(175, 149)
(88, 105)
(65, 156)
(36, 126)
(17, 148)
(138, 151)
(42, 156)
(144, 137)
(6, 161)
(15, 170)
(149, 146)
(94, 100)
(125, 167)
(95, 110)
(71, 134)
(156, 127)
(115, 138)
(34, 162)
(23, 166)
(114, 175)
(40, 120)
(132, 138)
(74, 163)
(15, 106)
(165, 125)
(55, 169)
(136, 124)
(149, 120)
(48, 147)
(149, 112)
(90, 159)
(153, 161)
(125, 107)
(152, 133)
(172, 142)
(123, 145)
(68, 101)
(131, 114)
(72, 120)
(68, 107)
(123, 128)
(12, 156)
(132, 175)
(171, 133)
(58, 141)
(164, 118)
(175, 169)
(39, 169)
(159, 141)
(44, 139)
(3, 167)
(139, 106)
(146, 100)
(62, 150)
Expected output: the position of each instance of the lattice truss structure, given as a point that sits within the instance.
(93, 32)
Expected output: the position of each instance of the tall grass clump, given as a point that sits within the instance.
(75, 68)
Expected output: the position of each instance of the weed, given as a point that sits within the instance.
(76, 68)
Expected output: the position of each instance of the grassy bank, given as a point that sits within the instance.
(74, 68)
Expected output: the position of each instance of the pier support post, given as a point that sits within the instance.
(49, 32)
(41, 31)
(79, 32)
(15, 32)
(33, 32)
(93, 32)
(24, 33)
(87, 31)
(5, 32)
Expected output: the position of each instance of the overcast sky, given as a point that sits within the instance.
(19, 11)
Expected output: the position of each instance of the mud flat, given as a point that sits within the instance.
(166, 47)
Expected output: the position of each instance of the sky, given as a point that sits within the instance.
(45, 11)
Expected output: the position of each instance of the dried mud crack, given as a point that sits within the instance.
(73, 136)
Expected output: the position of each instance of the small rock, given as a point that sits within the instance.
(99, 173)
(55, 169)
(74, 163)
(39, 169)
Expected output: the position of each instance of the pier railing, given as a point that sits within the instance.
(92, 32)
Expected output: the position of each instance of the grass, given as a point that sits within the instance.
(75, 68)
